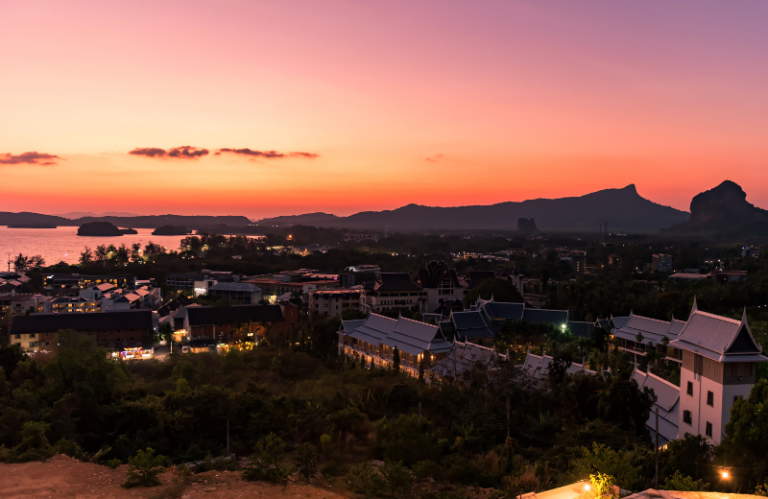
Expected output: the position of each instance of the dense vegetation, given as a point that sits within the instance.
(306, 405)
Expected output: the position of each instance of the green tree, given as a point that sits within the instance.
(396, 360)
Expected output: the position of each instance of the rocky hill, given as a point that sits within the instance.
(724, 210)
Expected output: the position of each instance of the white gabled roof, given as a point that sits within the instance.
(406, 335)
(719, 338)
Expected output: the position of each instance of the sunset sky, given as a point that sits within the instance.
(343, 106)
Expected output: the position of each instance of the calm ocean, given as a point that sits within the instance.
(63, 243)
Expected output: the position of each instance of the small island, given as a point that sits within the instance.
(102, 229)
(171, 230)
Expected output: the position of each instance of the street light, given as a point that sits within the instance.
(725, 474)
(587, 487)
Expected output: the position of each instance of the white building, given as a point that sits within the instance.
(719, 364)
(332, 302)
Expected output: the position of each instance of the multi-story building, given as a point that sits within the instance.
(71, 281)
(640, 335)
(661, 263)
(250, 323)
(243, 292)
(720, 356)
(441, 284)
(116, 330)
(392, 290)
(376, 338)
(717, 357)
(578, 262)
(334, 301)
(273, 289)
(71, 304)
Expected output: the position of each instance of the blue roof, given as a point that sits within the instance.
(540, 315)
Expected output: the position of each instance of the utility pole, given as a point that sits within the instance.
(508, 420)
(228, 454)
(657, 447)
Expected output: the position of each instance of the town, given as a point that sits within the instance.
(534, 317)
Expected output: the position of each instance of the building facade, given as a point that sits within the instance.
(331, 303)
(392, 290)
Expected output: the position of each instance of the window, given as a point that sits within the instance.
(687, 418)
(708, 431)
(118, 340)
(690, 388)
(710, 399)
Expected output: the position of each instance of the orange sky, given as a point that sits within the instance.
(440, 103)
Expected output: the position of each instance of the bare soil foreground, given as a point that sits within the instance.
(64, 477)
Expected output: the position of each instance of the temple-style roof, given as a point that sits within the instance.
(406, 335)
(537, 366)
(667, 397)
(653, 331)
(464, 356)
(473, 325)
(719, 338)
(395, 281)
(541, 315)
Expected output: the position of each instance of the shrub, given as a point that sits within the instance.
(399, 479)
(266, 463)
(143, 469)
(306, 460)
(601, 485)
(68, 447)
(34, 444)
(114, 463)
(426, 470)
(364, 479)
(684, 483)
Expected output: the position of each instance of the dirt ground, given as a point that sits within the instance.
(64, 477)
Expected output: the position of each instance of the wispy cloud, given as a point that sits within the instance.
(267, 154)
(29, 158)
(434, 159)
(183, 152)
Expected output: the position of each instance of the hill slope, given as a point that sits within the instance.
(622, 209)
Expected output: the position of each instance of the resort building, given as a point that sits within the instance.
(39, 332)
(639, 335)
(333, 302)
(376, 338)
(441, 284)
(243, 292)
(392, 290)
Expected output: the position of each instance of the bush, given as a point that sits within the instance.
(426, 470)
(306, 460)
(68, 447)
(399, 479)
(266, 463)
(364, 479)
(684, 483)
(114, 463)
(143, 469)
(34, 444)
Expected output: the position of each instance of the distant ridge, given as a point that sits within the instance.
(145, 222)
(74, 215)
(623, 209)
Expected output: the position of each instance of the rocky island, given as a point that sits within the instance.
(171, 230)
(102, 229)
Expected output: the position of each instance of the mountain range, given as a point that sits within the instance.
(722, 211)
(622, 209)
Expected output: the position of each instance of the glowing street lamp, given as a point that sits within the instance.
(725, 474)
